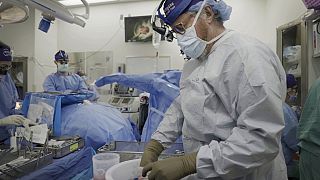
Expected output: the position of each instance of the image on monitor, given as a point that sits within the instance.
(138, 29)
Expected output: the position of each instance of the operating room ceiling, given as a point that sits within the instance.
(95, 2)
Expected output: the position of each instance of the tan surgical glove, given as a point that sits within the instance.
(171, 168)
(151, 152)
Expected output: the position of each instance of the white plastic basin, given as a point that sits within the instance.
(126, 170)
(129, 170)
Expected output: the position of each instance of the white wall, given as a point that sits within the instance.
(104, 31)
(20, 37)
(104, 26)
(26, 40)
(248, 17)
(279, 12)
(46, 45)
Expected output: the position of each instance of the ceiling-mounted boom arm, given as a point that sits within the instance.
(54, 9)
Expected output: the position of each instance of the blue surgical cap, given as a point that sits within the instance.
(174, 8)
(5, 52)
(61, 55)
(220, 7)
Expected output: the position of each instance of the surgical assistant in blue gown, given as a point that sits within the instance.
(8, 98)
(289, 138)
(63, 81)
(8, 91)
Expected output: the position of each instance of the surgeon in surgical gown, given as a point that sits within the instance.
(63, 81)
(229, 111)
(8, 95)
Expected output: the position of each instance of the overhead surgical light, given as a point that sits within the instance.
(77, 2)
(12, 13)
(51, 9)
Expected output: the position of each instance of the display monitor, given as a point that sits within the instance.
(138, 29)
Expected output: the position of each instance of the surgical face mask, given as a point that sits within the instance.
(190, 43)
(292, 95)
(3, 72)
(292, 98)
(63, 67)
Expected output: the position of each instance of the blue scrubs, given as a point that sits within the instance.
(8, 99)
(58, 82)
(289, 138)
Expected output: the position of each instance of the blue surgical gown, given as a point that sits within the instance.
(8, 99)
(289, 138)
(58, 82)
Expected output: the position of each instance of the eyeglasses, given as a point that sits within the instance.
(5, 67)
(179, 28)
(63, 61)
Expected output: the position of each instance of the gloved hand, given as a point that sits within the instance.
(171, 168)
(15, 120)
(151, 152)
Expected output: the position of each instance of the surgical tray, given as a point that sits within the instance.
(134, 150)
(70, 145)
(10, 171)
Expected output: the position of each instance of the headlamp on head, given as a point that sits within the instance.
(61, 56)
(5, 52)
(172, 10)
(159, 26)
